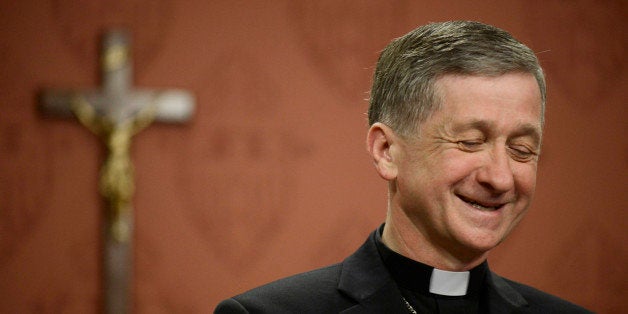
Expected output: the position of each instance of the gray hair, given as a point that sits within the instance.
(403, 93)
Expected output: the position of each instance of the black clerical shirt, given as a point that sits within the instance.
(413, 279)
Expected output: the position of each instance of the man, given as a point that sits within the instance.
(456, 120)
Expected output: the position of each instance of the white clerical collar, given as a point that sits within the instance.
(449, 283)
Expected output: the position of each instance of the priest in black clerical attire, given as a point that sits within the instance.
(456, 121)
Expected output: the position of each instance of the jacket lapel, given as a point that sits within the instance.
(386, 300)
(365, 279)
(502, 298)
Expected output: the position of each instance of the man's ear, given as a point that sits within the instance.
(382, 144)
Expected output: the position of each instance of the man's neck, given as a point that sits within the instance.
(403, 237)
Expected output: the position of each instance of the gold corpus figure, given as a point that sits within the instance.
(116, 176)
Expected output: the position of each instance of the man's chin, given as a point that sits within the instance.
(477, 245)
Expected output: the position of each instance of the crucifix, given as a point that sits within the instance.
(115, 113)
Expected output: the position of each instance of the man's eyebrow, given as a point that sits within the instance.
(531, 130)
(522, 129)
(477, 124)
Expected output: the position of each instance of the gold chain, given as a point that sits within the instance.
(408, 306)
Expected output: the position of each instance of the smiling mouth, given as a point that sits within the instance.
(483, 207)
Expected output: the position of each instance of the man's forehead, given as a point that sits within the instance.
(482, 102)
(439, 80)
(465, 84)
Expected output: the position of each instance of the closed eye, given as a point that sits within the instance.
(470, 145)
(522, 153)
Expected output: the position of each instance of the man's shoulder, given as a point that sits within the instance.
(543, 302)
(300, 293)
(321, 279)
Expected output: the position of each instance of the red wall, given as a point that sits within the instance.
(271, 177)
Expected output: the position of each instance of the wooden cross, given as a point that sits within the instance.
(115, 113)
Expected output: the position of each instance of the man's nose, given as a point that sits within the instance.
(496, 174)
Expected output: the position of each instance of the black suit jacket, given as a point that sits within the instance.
(362, 284)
